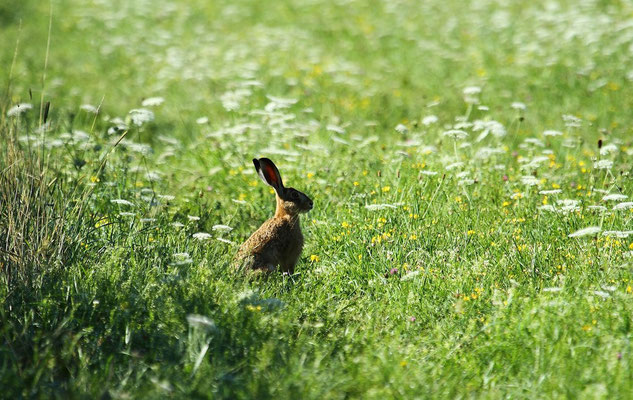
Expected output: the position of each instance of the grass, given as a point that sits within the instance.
(434, 265)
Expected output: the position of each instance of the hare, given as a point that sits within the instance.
(279, 241)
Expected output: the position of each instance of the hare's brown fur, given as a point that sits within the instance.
(279, 241)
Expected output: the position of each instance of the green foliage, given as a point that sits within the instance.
(451, 149)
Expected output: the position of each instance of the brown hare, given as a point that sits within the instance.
(279, 241)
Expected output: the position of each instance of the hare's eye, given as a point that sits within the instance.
(294, 195)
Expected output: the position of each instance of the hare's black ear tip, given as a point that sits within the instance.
(256, 162)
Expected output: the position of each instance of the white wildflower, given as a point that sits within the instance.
(517, 105)
(152, 176)
(462, 174)
(201, 236)
(335, 128)
(568, 205)
(624, 206)
(89, 108)
(122, 202)
(202, 120)
(567, 202)
(141, 148)
(80, 136)
(589, 231)
(534, 141)
(603, 164)
(615, 197)
(231, 99)
(492, 126)
(618, 234)
(281, 100)
(536, 162)
(529, 180)
(456, 134)
(429, 120)
(193, 218)
(407, 143)
(571, 121)
(282, 152)
(458, 164)
(485, 153)
(608, 149)
(471, 94)
(181, 259)
(462, 124)
(471, 90)
(602, 294)
(18, 109)
(339, 140)
(222, 228)
(552, 289)
(375, 207)
(139, 116)
(551, 132)
(550, 192)
(153, 101)
(410, 275)
(569, 209)
(402, 129)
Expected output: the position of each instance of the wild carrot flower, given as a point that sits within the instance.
(201, 236)
(18, 109)
(589, 231)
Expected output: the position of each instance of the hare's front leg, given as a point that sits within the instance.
(290, 261)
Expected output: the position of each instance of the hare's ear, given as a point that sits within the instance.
(269, 173)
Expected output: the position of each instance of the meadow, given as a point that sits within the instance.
(470, 164)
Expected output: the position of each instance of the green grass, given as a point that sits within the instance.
(433, 267)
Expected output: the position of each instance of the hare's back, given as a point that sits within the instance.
(265, 238)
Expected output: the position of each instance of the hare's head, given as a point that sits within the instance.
(290, 201)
